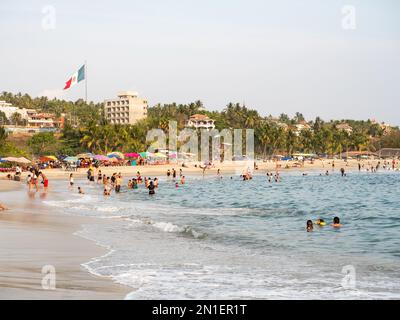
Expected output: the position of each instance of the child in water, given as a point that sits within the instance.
(320, 222)
(336, 223)
(80, 190)
(310, 226)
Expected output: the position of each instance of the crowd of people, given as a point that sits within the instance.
(115, 181)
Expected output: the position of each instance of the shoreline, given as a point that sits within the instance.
(230, 168)
(31, 240)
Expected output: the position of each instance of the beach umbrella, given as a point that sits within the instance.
(113, 159)
(17, 160)
(101, 157)
(159, 155)
(48, 158)
(118, 154)
(71, 159)
(144, 154)
(113, 156)
(132, 155)
(188, 154)
(23, 160)
(85, 156)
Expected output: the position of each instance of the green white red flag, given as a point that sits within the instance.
(76, 78)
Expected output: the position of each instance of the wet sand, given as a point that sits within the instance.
(32, 239)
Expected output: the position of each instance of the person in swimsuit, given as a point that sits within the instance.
(310, 226)
(151, 188)
(71, 180)
(336, 223)
(45, 180)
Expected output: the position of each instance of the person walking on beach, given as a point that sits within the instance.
(173, 174)
(168, 173)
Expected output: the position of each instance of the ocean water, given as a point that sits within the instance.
(230, 239)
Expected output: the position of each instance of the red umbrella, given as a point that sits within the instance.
(132, 155)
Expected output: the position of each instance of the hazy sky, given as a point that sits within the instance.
(276, 56)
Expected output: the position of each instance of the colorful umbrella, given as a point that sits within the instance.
(132, 155)
(144, 154)
(118, 154)
(101, 157)
(70, 159)
(85, 156)
(159, 155)
(113, 156)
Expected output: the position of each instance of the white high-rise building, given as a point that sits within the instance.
(127, 109)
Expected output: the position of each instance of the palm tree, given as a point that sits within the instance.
(3, 134)
(16, 118)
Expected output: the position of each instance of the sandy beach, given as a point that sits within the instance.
(32, 239)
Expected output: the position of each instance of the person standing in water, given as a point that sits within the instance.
(118, 182)
(45, 181)
(342, 172)
(151, 188)
(71, 180)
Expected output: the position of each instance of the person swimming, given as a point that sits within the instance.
(3, 207)
(320, 222)
(106, 192)
(336, 223)
(80, 190)
(310, 226)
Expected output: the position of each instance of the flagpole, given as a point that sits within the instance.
(86, 81)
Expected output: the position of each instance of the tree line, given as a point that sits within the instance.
(86, 129)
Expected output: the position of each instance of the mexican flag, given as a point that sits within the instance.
(76, 77)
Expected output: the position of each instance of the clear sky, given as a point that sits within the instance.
(276, 56)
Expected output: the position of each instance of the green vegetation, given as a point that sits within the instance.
(86, 129)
